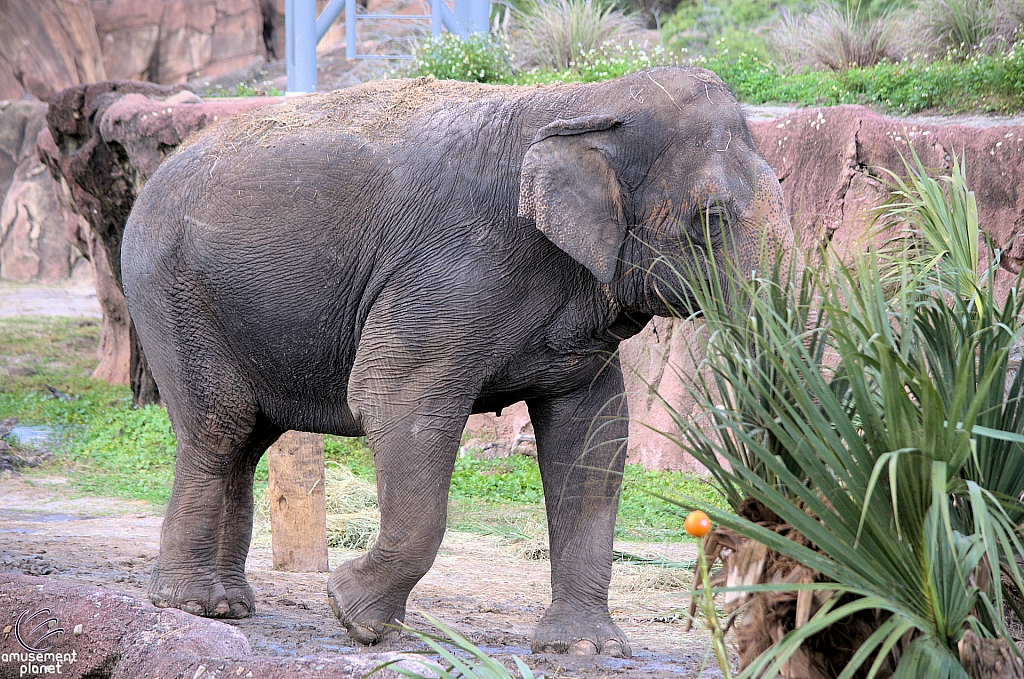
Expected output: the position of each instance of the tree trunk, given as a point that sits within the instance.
(989, 658)
(298, 509)
(144, 389)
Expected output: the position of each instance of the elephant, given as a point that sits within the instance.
(384, 261)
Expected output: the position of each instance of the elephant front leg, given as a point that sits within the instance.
(414, 454)
(581, 446)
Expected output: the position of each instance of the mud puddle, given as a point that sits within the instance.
(478, 585)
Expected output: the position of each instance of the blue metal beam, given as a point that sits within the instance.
(304, 30)
(327, 17)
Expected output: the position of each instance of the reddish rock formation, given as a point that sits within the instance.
(45, 46)
(105, 140)
(832, 161)
(108, 634)
(168, 41)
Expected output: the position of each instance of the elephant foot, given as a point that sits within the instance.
(202, 595)
(367, 616)
(579, 633)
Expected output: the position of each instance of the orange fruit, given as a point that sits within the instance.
(697, 524)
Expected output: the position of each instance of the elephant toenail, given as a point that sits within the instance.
(583, 647)
(193, 607)
(615, 649)
(222, 609)
(363, 634)
(240, 610)
(335, 607)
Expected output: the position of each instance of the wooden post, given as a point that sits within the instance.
(298, 511)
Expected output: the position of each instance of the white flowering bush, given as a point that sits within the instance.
(478, 58)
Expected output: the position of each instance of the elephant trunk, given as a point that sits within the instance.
(764, 232)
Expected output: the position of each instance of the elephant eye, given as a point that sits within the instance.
(709, 222)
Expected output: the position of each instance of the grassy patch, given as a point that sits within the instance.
(981, 83)
(483, 489)
(984, 82)
(108, 448)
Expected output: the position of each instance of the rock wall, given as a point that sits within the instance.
(34, 221)
(45, 46)
(169, 41)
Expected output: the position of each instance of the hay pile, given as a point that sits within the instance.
(369, 110)
(353, 517)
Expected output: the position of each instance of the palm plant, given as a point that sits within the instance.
(879, 433)
(465, 660)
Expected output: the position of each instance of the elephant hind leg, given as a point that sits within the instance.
(236, 524)
(207, 526)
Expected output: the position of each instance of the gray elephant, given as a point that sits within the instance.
(385, 260)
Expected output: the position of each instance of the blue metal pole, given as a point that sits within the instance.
(327, 17)
(479, 16)
(350, 30)
(435, 18)
(289, 43)
(304, 44)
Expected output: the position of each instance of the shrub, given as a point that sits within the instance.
(556, 34)
(478, 58)
(833, 38)
(983, 82)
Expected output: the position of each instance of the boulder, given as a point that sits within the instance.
(47, 45)
(104, 141)
(169, 41)
(96, 632)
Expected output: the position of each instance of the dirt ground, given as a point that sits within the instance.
(482, 587)
(71, 298)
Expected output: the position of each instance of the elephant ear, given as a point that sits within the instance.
(572, 194)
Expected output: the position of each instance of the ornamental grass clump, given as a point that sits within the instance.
(556, 34)
(869, 437)
(834, 38)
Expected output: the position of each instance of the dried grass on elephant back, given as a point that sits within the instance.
(762, 619)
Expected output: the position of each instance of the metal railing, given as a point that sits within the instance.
(304, 30)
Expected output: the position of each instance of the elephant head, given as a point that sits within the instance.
(657, 179)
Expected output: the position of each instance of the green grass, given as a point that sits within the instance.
(108, 448)
(981, 83)
(989, 83)
(479, 485)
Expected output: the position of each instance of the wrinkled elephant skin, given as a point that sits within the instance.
(463, 247)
